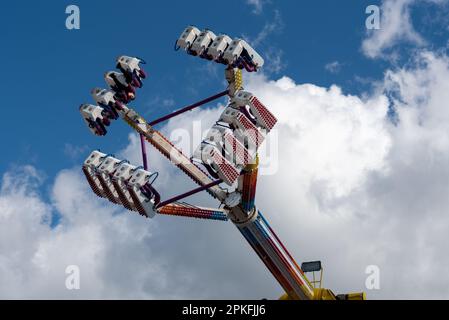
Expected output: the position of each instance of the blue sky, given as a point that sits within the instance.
(51, 69)
(357, 178)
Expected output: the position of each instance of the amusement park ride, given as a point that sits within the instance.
(227, 156)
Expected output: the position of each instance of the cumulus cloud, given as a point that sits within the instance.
(120, 254)
(370, 191)
(33, 257)
(356, 191)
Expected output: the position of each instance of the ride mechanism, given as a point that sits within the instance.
(227, 156)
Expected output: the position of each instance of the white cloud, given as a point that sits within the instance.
(73, 151)
(395, 26)
(274, 26)
(274, 63)
(33, 256)
(333, 67)
(371, 192)
(264, 40)
(257, 5)
(365, 191)
(168, 102)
